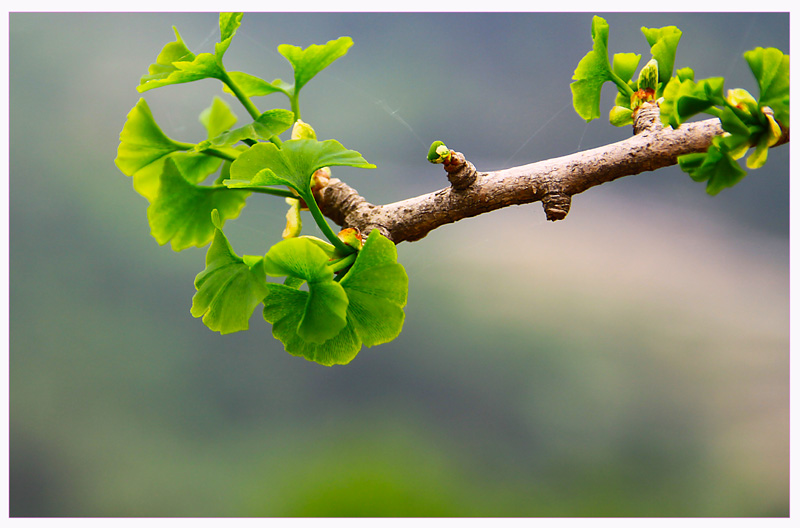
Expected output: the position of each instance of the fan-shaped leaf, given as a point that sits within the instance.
(230, 288)
(181, 213)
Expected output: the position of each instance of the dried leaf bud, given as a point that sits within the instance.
(302, 130)
(352, 237)
(741, 98)
(320, 178)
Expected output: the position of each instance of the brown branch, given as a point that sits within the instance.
(553, 182)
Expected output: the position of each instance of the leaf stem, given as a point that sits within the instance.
(323, 225)
(295, 100)
(343, 263)
(622, 85)
(260, 189)
(240, 95)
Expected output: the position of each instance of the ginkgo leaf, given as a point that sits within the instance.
(252, 86)
(771, 69)
(143, 148)
(376, 288)
(663, 46)
(310, 61)
(294, 162)
(181, 213)
(592, 72)
(176, 64)
(230, 287)
(218, 118)
(228, 24)
(270, 123)
(325, 307)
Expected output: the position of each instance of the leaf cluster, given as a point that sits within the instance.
(748, 122)
(354, 294)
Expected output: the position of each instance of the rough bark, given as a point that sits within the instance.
(553, 182)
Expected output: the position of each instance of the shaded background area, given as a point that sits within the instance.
(631, 360)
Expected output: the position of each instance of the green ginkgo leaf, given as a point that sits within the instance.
(230, 287)
(663, 46)
(252, 86)
(176, 64)
(270, 123)
(294, 162)
(310, 61)
(143, 147)
(324, 312)
(228, 24)
(624, 65)
(716, 166)
(376, 288)
(217, 118)
(771, 69)
(181, 213)
(592, 72)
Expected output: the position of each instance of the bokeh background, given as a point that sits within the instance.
(631, 360)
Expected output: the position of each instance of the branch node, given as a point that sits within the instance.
(460, 172)
(556, 205)
(647, 118)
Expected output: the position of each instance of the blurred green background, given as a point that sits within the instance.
(631, 360)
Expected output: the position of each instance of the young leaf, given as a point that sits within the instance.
(176, 64)
(312, 60)
(181, 213)
(295, 162)
(252, 86)
(142, 150)
(592, 72)
(663, 45)
(376, 288)
(270, 123)
(624, 65)
(716, 166)
(325, 309)
(771, 69)
(230, 287)
(228, 24)
(217, 118)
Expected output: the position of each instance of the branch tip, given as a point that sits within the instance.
(460, 172)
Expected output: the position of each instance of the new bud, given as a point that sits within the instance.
(620, 116)
(438, 153)
(302, 130)
(648, 77)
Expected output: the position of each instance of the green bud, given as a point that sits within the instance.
(620, 116)
(648, 77)
(438, 153)
(302, 130)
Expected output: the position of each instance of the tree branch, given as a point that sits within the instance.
(553, 182)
